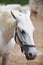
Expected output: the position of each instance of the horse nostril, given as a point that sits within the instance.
(30, 54)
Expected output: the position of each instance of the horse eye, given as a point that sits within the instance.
(23, 32)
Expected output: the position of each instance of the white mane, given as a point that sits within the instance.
(10, 7)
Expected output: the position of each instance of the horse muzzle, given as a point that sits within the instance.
(30, 55)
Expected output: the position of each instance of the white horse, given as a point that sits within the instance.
(18, 25)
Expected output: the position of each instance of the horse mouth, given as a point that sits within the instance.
(28, 58)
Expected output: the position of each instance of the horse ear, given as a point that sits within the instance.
(13, 15)
(28, 12)
(16, 15)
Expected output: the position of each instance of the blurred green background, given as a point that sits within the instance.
(22, 2)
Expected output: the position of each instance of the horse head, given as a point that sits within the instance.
(24, 33)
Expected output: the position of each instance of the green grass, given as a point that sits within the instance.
(22, 2)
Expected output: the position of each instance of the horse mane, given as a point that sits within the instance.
(7, 24)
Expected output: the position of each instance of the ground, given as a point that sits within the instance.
(18, 58)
